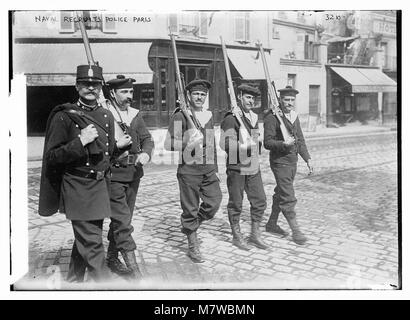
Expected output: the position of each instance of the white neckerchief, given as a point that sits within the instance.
(291, 116)
(203, 117)
(126, 115)
(252, 117)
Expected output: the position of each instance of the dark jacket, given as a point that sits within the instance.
(141, 142)
(229, 142)
(203, 162)
(78, 197)
(273, 141)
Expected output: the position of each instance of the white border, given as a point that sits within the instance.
(11, 114)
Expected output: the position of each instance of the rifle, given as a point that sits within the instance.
(236, 111)
(121, 127)
(193, 122)
(273, 99)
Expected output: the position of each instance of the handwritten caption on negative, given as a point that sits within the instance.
(93, 18)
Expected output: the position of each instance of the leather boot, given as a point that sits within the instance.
(297, 235)
(193, 248)
(255, 237)
(115, 264)
(237, 238)
(272, 225)
(131, 262)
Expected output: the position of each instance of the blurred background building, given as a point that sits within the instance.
(344, 64)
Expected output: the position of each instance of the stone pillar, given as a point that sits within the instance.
(378, 54)
(321, 51)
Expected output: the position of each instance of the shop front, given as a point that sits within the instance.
(357, 94)
(50, 70)
(196, 61)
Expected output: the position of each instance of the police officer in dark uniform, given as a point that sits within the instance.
(75, 175)
(197, 169)
(127, 170)
(242, 168)
(283, 161)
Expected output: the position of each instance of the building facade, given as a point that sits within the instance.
(362, 66)
(303, 49)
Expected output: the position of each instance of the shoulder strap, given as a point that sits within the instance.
(79, 118)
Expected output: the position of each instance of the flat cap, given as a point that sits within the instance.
(288, 91)
(198, 85)
(89, 73)
(120, 82)
(247, 88)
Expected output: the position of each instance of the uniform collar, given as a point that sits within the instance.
(87, 107)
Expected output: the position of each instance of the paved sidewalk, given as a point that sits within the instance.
(348, 210)
(35, 144)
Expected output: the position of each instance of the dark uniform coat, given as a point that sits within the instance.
(273, 140)
(283, 161)
(141, 142)
(204, 163)
(229, 142)
(65, 162)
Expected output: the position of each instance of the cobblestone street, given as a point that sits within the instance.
(348, 209)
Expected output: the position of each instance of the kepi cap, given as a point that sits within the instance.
(89, 73)
(121, 82)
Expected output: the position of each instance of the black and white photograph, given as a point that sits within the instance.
(206, 150)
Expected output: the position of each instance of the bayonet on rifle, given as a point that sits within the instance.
(183, 105)
(236, 111)
(273, 99)
(120, 129)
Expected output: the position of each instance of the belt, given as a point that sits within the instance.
(125, 161)
(91, 174)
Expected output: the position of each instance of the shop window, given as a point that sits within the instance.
(192, 72)
(241, 27)
(189, 24)
(145, 97)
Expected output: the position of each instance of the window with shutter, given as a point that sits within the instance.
(241, 27)
(203, 26)
(190, 24)
(173, 22)
(67, 22)
(109, 24)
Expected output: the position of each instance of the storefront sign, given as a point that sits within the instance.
(50, 80)
(384, 27)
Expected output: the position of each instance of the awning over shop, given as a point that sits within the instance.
(247, 65)
(341, 39)
(55, 64)
(366, 80)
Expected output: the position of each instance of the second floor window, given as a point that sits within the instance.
(93, 20)
(241, 27)
(194, 24)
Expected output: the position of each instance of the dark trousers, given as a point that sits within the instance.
(122, 200)
(253, 186)
(192, 188)
(284, 197)
(87, 252)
